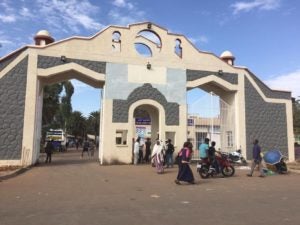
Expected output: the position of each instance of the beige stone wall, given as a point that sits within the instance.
(99, 48)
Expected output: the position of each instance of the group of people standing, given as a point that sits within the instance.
(139, 149)
(161, 155)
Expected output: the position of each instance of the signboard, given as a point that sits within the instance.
(142, 121)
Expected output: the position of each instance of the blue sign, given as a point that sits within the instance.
(142, 121)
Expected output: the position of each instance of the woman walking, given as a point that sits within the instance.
(185, 173)
(158, 157)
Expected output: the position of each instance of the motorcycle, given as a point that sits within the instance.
(236, 157)
(205, 169)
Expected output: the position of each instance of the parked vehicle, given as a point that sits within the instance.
(236, 157)
(58, 137)
(205, 169)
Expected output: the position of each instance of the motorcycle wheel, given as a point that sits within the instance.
(203, 171)
(228, 171)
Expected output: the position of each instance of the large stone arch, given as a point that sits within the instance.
(128, 79)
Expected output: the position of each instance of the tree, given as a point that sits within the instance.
(296, 116)
(50, 107)
(77, 124)
(93, 123)
(51, 102)
(66, 105)
(56, 108)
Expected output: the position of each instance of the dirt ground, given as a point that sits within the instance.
(74, 190)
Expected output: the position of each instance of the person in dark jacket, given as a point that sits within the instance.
(256, 160)
(169, 153)
(212, 156)
(49, 150)
(148, 150)
(86, 148)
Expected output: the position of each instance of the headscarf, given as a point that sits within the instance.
(157, 148)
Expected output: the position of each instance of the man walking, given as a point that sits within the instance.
(256, 159)
(49, 150)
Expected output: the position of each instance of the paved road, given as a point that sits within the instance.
(78, 191)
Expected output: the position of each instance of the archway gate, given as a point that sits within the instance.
(129, 79)
(210, 116)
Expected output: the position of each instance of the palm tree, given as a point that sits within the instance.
(77, 124)
(94, 122)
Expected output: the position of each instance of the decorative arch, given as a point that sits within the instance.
(121, 107)
(70, 71)
(158, 106)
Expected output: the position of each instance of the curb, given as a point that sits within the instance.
(294, 171)
(15, 173)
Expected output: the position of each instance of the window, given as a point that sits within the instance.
(147, 42)
(143, 49)
(116, 41)
(116, 36)
(178, 48)
(121, 137)
(229, 138)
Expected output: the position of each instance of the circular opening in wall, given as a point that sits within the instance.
(150, 36)
(143, 49)
(147, 43)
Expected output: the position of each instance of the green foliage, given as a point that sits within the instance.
(56, 108)
(51, 102)
(58, 112)
(296, 116)
(93, 123)
(77, 124)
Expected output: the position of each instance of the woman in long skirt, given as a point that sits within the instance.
(158, 157)
(185, 173)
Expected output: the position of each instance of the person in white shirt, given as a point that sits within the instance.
(136, 151)
(158, 156)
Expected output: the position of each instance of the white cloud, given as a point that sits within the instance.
(119, 3)
(123, 4)
(5, 41)
(7, 14)
(255, 4)
(288, 82)
(5, 4)
(25, 12)
(125, 13)
(125, 18)
(7, 18)
(72, 14)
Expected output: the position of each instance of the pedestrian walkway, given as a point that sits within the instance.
(72, 191)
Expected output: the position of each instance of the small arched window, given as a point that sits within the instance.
(116, 41)
(178, 48)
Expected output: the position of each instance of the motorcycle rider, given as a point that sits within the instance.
(203, 150)
(212, 157)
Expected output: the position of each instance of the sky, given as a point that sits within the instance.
(263, 35)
